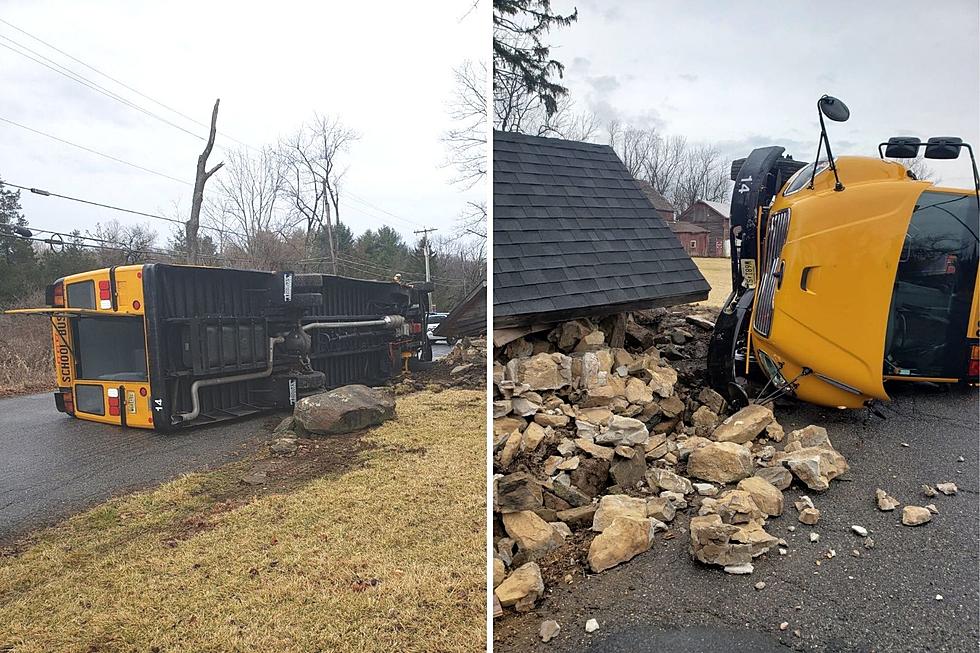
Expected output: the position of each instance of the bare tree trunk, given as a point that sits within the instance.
(328, 225)
(202, 176)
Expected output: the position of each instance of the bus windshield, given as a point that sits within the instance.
(109, 348)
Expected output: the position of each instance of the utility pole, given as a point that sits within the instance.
(425, 251)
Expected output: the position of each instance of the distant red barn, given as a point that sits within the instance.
(692, 237)
(713, 216)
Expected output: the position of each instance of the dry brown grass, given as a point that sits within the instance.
(25, 351)
(282, 572)
(718, 272)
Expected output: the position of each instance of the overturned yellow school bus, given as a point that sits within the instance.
(169, 346)
(848, 274)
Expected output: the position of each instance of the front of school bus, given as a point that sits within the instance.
(99, 344)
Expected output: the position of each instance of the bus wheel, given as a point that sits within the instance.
(425, 351)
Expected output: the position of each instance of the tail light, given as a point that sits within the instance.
(64, 401)
(416, 328)
(57, 296)
(973, 369)
(113, 395)
(104, 290)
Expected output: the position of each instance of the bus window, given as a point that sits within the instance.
(88, 399)
(934, 289)
(110, 348)
(81, 294)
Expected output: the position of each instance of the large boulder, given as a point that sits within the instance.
(720, 462)
(717, 543)
(623, 539)
(815, 467)
(344, 410)
(517, 492)
(744, 425)
(541, 372)
(766, 496)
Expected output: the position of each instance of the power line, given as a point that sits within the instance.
(96, 152)
(112, 79)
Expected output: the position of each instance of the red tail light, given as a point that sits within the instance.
(104, 290)
(113, 394)
(416, 327)
(973, 369)
(67, 400)
(59, 295)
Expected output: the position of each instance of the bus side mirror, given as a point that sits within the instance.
(943, 147)
(902, 147)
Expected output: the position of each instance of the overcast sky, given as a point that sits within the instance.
(748, 74)
(385, 70)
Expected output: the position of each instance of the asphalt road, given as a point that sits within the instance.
(884, 600)
(52, 466)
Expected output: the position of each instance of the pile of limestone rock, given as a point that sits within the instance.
(590, 438)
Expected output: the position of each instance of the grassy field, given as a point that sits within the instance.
(385, 554)
(718, 272)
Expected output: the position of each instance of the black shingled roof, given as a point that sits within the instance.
(573, 235)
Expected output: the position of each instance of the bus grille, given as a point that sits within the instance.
(775, 239)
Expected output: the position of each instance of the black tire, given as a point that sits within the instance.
(451, 340)
(308, 280)
(310, 381)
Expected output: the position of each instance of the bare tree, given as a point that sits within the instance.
(665, 163)
(201, 177)
(122, 244)
(467, 138)
(920, 169)
(248, 206)
(313, 160)
(704, 176)
(632, 144)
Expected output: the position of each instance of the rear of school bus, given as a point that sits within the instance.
(99, 346)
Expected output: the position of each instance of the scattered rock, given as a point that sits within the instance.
(522, 588)
(948, 489)
(860, 530)
(761, 585)
(533, 535)
(765, 494)
(720, 462)
(591, 626)
(517, 492)
(744, 425)
(814, 537)
(915, 515)
(706, 489)
(932, 508)
(743, 568)
(549, 630)
(499, 572)
(613, 506)
(345, 409)
(714, 401)
(667, 480)
(255, 478)
(284, 446)
(779, 477)
(929, 491)
(622, 540)
(885, 501)
(809, 516)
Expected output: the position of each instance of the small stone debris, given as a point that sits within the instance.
(961, 459)
(784, 625)
(948, 489)
(814, 537)
(860, 530)
(932, 508)
(939, 597)
(255, 478)
(740, 569)
(905, 444)
(929, 491)
(549, 629)
(761, 585)
(885, 501)
(284, 446)
(915, 515)
(869, 542)
(591, 626)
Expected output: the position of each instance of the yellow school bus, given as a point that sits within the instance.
(849, 274)
(168, 346)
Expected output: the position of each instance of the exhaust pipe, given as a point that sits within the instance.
(393, 321)
(221, 380)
